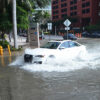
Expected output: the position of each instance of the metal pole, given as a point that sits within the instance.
(15, 24)
(38, 35)
(55, 31)
(67, 33)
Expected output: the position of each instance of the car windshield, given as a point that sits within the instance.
(51, 45)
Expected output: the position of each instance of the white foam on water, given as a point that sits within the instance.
(83, 60)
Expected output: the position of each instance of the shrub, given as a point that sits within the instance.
(4, 43)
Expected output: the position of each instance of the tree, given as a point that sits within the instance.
(23, 7)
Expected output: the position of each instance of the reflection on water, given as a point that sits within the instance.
(4, 60)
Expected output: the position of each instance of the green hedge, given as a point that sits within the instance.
(4, 43)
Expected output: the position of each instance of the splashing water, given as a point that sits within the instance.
(83, 60)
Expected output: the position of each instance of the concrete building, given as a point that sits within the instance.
(87, 11)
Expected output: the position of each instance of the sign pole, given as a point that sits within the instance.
(38, 35)
(67, 23)
(67, 33)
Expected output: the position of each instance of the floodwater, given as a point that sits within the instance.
(78, 79)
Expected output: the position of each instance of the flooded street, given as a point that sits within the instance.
(75, 80)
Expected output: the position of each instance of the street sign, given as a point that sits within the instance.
(67, 28)
(49, 26)
(67, 22)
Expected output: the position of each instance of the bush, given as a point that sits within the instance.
(14, 49)
(4, 43)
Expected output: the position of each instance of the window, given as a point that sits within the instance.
(65, 45)
(64, 5)
(64, 15)
(55, 17)
(73, 8)
(55, 7)
(73, 2)
(63, 0)
(73, 13)
(64, 10)
(73, 44)
(85, 4)
(55, 12)
(55, 2)
(85, 11)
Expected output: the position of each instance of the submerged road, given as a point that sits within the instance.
(81, 83)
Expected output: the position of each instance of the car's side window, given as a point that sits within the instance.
(65, 45)
(73, 44)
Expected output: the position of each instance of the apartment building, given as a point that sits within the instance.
(86, 11)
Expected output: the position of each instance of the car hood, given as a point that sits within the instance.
(41, 51)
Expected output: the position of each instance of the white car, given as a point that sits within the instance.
(53, 50)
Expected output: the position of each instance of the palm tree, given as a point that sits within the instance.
(30, 4)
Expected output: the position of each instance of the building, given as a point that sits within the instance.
(86, 11)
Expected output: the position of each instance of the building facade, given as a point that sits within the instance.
(86, 11)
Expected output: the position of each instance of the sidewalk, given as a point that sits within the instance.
(21, 41)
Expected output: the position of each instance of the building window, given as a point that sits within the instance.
(73, 2)
(55, 2)
(55, 7)
(64, 5)
(73, 8)
(64, 15)
(55, 12)
(85, 4)
(64, 10)
(55, 17)
(85, 11)
(63, 0)
(73, 13)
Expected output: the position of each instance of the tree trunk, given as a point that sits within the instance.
(15, 24)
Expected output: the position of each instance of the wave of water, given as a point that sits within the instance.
(87, 60)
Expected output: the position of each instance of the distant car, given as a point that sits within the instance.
(95, 35)
(53, 50)
(70, 36)
(85, 34)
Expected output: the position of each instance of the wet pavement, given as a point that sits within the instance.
(82, 84)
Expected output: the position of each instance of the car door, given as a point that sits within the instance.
(69, 49)
(65, 49)
(74, 48)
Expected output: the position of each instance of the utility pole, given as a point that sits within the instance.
(15, 24)
(38, 35)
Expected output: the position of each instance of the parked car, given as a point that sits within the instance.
(85, 34)
(70, 36)
(53, 50)
(95, 35)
